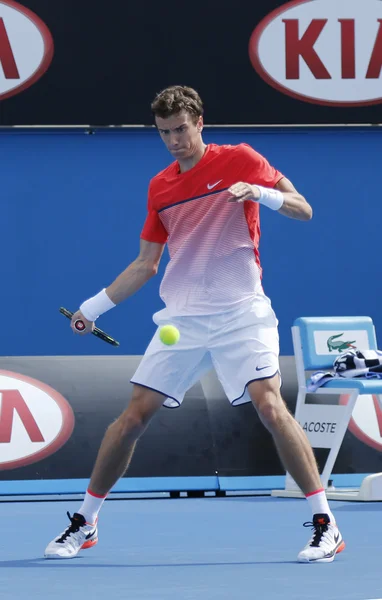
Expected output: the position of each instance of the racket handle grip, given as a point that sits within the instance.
(79, 325)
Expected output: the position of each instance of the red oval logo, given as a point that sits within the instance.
(366, 420)
(326, 52)
(35, 420)
(26, 48)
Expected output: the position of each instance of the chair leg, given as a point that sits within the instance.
(379, 398)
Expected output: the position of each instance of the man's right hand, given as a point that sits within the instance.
(89, 325)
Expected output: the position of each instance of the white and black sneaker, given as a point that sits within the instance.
(78, 536)
(325, 542)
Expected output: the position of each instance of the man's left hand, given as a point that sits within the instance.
(243, 191)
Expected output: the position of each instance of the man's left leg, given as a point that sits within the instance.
(298, 459)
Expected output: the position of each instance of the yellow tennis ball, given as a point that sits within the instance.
(169, 335)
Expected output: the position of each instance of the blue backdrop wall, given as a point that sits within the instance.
(73, 205)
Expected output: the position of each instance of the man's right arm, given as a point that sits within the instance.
(137, 273)
(125, 285)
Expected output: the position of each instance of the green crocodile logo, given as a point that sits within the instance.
(339, 345)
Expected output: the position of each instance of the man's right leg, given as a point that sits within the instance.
(113, 459)
(118, 444)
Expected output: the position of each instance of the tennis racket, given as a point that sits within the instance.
(80, 326)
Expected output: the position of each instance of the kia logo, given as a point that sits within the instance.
(26, 48)
(325, 52)
(35, 420)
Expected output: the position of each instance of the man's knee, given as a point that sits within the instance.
(271, 412)
(131, 424)
(134, 420)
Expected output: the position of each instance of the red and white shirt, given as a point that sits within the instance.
(213, 244)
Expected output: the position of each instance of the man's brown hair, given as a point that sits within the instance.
(176, 98)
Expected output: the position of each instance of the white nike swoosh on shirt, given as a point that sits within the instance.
(212, 185)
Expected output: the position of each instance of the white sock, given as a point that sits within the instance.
(91, 506)
(318, 503)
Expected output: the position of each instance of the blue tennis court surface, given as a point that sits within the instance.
(233, 548)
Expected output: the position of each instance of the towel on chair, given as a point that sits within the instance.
(352, 363)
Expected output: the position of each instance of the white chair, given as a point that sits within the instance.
(316, 343)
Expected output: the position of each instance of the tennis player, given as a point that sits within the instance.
(205, 206)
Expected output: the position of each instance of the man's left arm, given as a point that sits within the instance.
(294, 206)
(283, 197)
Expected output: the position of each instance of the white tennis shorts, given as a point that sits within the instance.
(241, 344)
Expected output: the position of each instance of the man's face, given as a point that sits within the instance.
(180, 134)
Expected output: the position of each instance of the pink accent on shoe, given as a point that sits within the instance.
(89, 544)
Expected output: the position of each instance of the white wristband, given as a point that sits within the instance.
(96, 306)
(270, 197)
